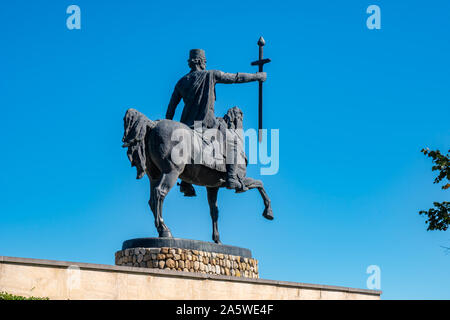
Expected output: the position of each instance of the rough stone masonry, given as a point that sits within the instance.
(188, 261)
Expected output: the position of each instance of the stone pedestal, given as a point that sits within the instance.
(188, 256)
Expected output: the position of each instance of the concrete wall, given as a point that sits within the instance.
(70, 280)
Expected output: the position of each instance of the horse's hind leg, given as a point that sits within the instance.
(268, 213)
(253, 183)
(159, 190)
(214, 210)
(153, 200)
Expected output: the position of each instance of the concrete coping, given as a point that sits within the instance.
(180, 274)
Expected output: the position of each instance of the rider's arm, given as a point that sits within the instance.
(174, 101)
(224, 77)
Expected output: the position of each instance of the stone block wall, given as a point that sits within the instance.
(188, 261)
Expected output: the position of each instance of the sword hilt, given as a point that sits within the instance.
(260, 62)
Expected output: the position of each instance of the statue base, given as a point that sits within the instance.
(186, 255)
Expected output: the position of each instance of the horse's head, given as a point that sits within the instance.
(234, 118)
(136, 127)
(130, 121)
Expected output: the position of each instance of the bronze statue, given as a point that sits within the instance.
(151, 143)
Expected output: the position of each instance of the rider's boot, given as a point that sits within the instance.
(232, 181)
(187, 189)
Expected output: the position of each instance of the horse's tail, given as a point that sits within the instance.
(136, 126)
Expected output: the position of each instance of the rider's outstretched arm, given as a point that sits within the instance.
(174, 101)
(224, 77)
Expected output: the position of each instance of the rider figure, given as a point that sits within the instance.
(197, 89)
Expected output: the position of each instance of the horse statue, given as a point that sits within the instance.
(150, 145)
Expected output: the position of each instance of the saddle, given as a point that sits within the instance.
(215, 147)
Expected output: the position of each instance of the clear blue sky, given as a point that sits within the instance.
(354, 107)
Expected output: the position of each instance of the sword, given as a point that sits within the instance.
(260, 63)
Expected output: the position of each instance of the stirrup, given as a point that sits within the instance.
(188, 192)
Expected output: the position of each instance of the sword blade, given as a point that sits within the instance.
(260, 106)
(260, 112)
(260, 63)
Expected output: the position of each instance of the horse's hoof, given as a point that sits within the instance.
(241, 190)
(268, 214)
(165, 234)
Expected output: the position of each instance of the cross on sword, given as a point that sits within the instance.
(260, 63)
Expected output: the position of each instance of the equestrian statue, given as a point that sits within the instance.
(154, 146)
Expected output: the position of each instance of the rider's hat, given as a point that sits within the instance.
(197, 54)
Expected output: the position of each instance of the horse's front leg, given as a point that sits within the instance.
(251, 183)
(214, 210)
(159, 191)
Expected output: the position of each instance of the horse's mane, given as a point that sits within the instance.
(233, 118)
(136, 126)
